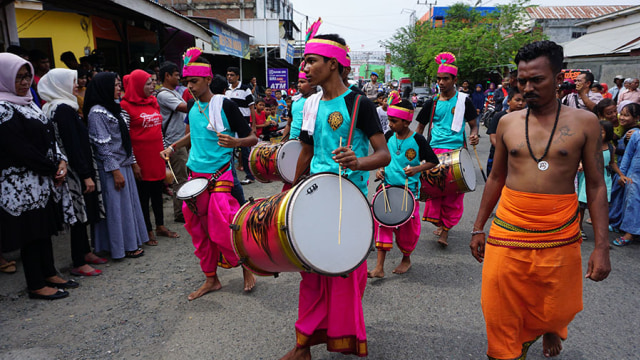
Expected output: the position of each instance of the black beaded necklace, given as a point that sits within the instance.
(542, 165)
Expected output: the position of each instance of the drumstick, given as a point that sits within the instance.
(340, 185)
(406, 195)
(202, 111)
(172, 173)
(386, 199)
(478, 158)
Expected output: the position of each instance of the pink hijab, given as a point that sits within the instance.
(10, 64)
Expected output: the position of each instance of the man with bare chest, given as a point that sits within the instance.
(532, 274)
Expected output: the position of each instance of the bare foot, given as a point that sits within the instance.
(438, 231)
(551, 345)
(378, 272)
(404, 265)
(249, 280)
(211, 284)
(298, 354)
(442, 240)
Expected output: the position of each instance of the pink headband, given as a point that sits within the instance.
(400, 113)
(302, 75)
(193, 68)
(446, 60)
(328, 48)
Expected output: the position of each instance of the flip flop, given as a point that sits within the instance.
(169, 234)
(151, 242)
(621, 241)
(134, 254)
(76, 272)
(588, 221)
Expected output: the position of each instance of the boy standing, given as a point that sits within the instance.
(410, 155)
(330, 308)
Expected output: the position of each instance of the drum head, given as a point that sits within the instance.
(288, 159)
(398, 215)
(313, 217)
(192, 188)
(468, 171)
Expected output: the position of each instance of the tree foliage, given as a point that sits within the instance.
(482, 43)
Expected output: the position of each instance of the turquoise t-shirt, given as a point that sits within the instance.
(334, 121)
(296, 117)
(442, 137)
(405, 152)
(206, 156)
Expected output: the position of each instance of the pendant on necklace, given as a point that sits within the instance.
(397, 152)
(543, 165)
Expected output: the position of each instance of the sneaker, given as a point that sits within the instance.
(246, 182)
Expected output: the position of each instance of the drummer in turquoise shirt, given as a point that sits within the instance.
(410, 156)
(324, 148)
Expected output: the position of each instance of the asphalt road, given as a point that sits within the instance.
(138, 308)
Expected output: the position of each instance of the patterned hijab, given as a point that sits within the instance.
(10, 65)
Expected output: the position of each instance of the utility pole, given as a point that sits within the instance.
(431, 5)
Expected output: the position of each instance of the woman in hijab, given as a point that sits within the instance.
(32, 174)
(123, 231)
(58, 88)
(142, 112)
(477, 97)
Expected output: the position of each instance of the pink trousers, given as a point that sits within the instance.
(444, 211)
(330, 311)
(209, 230)
(407, 235)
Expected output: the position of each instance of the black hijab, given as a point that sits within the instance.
(100, 91)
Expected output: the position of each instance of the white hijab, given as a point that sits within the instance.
(56, 88)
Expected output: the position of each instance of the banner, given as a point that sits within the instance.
(278, 79)
(286, 51)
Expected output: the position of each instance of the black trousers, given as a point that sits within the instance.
(37, 261)
(151, 190)
(79, 244)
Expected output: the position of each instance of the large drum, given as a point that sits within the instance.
(455, 174)
(275, 162)
(397, 209)
(297, 230)
(194, 195)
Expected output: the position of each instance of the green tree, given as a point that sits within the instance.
(482, 43)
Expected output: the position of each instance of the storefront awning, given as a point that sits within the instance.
(147, 9)
(618, 40)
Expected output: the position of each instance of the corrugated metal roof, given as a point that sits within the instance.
(572, 12)
(618, 40)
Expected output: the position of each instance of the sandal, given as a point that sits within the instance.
(168, 233)
(9, 267)
(621, 241)
(584, 235)
(152, 242)
(134, 254)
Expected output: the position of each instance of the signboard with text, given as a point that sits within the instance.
(229, 42)
(278, 79)
(572, 74)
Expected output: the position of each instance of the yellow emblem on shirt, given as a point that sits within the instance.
(410, 154)
(335, 120)
(453, 110)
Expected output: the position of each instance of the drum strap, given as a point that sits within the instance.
(354, 117)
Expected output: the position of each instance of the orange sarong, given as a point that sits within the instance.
(532, 273)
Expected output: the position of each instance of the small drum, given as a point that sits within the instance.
(275, 162)
(401, 204)
(194, 195)
(283, 233)
(454, 174)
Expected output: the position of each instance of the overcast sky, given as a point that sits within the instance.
(363, 23)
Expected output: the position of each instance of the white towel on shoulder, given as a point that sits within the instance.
(310, 112)
(458, 115)
(215, 114)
